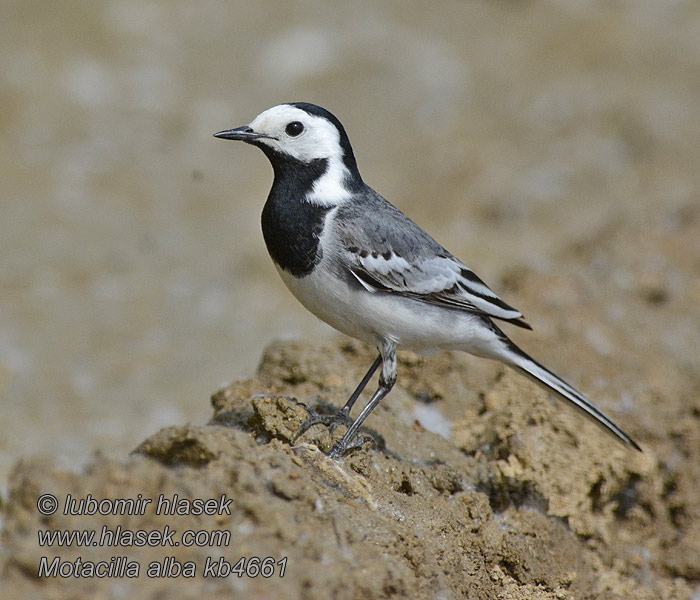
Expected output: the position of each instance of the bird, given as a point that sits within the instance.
(358, 263)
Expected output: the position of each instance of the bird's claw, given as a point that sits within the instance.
(333, 421)
(340, 448)
(330, 421)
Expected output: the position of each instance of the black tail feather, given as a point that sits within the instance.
(541, 375)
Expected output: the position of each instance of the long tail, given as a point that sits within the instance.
(520, 361)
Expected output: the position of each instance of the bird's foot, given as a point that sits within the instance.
(342, 446)
(331, 421)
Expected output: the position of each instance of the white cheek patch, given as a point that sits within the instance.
(319, 140)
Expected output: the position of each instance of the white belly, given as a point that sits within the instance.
(376, 316)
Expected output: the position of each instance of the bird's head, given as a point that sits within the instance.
(299, 134)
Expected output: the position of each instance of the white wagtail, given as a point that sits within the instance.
(362, 266)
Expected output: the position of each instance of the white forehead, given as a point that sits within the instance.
(320, 138)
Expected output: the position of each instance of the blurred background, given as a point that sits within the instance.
(133, 275)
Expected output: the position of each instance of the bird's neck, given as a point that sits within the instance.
(294, 215)
(326, 181)
(295, 176)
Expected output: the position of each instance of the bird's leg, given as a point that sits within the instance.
(344, 416)
(387, 379)
(365, 380)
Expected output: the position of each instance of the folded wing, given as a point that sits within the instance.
(390, 253)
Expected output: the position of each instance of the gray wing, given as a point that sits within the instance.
(387, 252)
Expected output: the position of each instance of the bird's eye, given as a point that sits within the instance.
(294, 128)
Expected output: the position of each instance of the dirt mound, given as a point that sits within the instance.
(517, 499)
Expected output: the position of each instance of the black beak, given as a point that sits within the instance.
(243, 134)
